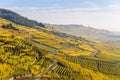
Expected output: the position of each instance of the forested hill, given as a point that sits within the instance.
(18, 19)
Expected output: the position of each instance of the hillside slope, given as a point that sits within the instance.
(29, 53)
(18, 19)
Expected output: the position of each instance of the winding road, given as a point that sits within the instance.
(95, 53)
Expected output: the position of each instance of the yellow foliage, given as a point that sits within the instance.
(85, 74)
(35, 69)
(110, 52)
(21, 55)
(5, 70)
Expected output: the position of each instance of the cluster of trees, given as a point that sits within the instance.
(8, 26)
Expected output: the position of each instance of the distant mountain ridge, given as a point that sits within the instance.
(87, 32)
(84, 28)
(80, 29)
(18, 19)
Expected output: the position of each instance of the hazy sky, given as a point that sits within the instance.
(104, 14)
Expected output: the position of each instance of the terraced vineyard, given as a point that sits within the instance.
(103, 66)
(43, 53)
